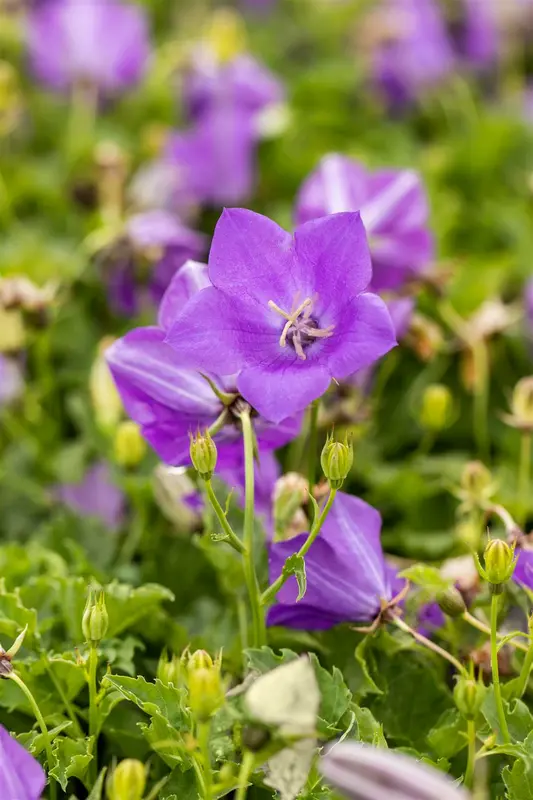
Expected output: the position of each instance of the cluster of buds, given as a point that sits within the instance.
(521, 415)
(95, 621)
(127, 781)
(203, 452)
(7, 656)
(204, 682)
(436, 410)
(469, 694)
(500, 560)
(336, 460)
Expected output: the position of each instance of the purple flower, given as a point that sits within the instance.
(523, 571)
(11, 380)
(267, 471)
(528, 303)
(21, 776)
(99, 43)
(96, 496)
(347, 575)
(416, 55)
(477, 37)
(287, 313)
(168, 398)
(430, 619)
(393, 207)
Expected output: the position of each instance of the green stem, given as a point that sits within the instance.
(93, 710)
(81, 125)
(523, 679)
(476, 623)
(524, 476)
(398, 621)
(219, 423)
(481, 398)
(258, 618)
(44, 730)
(495, 671)
(204, 733)
(313, 443)
(471, 762)
(246, 770)
(198, 771)
(269, 595)
(233, 539)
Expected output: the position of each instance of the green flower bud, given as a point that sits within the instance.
(469, 695)
(203, 452)
(127, 781)
(522, 405)
(451, 602)
(500, 562)
(129, 446)
(336, 461)
(206, 693)
(95, 621)
(437, 407)
(170, 669)
(476, 479)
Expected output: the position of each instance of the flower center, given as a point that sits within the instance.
(301, 329)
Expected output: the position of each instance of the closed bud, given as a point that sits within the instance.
(129, 446)
(170, 669)
(203, 453)
(105, 398)
(227, 35)
(477, 486)
(127, 781)
(522, 405)
(95, 621)
(469, 695)
(437, 407)
(206, 693)
(499, 560)
(336, 461)
(451, 602)
(200, 659)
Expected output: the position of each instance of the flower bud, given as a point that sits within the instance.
(12, 330)
(522, 405)
(227, 35)
(203, 453)
(127, 781)
(476, 478)
(437, 407)
(451, 602)
(95, 620)
(206, 694)
(169, 669)
(290, 494)
(336, 461)
(500, 562)
(129, 445)
(105, 398)
(469, 695)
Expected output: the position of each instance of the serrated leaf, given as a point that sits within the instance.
(367, 683)
(127, 605)
(180, 786)
(153, 698)
(72, 757)
(34, 740)
(518, 715)
(426, 576)
(518, 778)
(335, 697)
(367, 729)
(263, 659)
(164, 740)
(295, 565)
(446, 737)
(14, 616)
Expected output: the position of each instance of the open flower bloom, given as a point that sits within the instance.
(21, 775)
(362, 772)
(95, 496)
(347, 576)
(168, 398)
(393, 207)
(101, 44)
(287, 313)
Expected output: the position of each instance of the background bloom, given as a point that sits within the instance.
(347, 575)
(95, 496)
(21, 775)
(286, 313)
(393, 207)
(11, 379)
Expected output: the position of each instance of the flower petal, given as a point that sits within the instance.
(21, 775)
(283, 388)
(189, 280)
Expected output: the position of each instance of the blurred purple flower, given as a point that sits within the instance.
(287, 313)
(102, 44)
(415, 55)
(523, 571)
(430, 619)
(168, 398)
(96, 496)
(528, 304)
(476, 36)
(11, 380)
(393, 207)
(21, 775)
(347, 575)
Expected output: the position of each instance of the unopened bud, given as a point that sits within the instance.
(522, 405)
(127, 781)
(500, 562)
(203, 453)
(451, 602)
(469, 695)
(170, 669)
(206, 693)
(336, 461)
(437, 407)
(95, 621)
(129, 445)
(105, 398)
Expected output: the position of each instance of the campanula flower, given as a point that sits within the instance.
(475, 33)
(21, 775)
(287, 313)
(394, 210)
(523, 570)
(430, 619)
(168, 398)
(347, 576)
(102, 45)
(95, 496)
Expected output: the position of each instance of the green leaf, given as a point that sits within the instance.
(152, 698)
(34, 740)
(263, 659)
(518, 715)
(367, 728)
(72, 759)
(295, 565)
(427, 577)
(335, 697)
(126, 605)
(368, 685)
(446, 737)
(180, 786)
(14, 616)
(164, 740)
(518, 778)
(96, 791)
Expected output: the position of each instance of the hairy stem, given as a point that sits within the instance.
(476, 623)
(93, 710)
(246, 770)
(313, 443)
(495, 670)
(233, 539)
(399, 622)
(204, 733)
(524, 476)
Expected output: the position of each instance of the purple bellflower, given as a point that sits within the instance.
(11, 379)
(430, 619)
(475, 33)
(394, 210)
(21, 775)
(347, 576)
(169, 399)
(415, 55)
(523, 571)
(102, 44)
(96, 496)
(287, 313)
